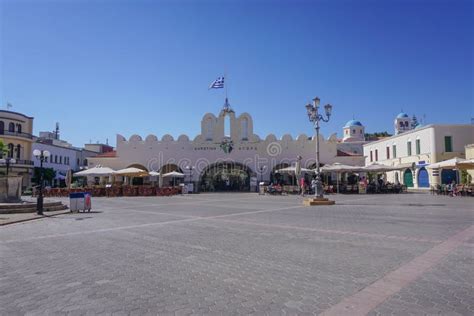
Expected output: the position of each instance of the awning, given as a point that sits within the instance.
(454, 163)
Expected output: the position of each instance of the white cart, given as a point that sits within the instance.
(80, 201)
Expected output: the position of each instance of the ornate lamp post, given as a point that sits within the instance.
(42, 155)
(315, 118)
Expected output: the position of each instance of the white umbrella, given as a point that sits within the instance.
(339, 167)
(450, 164)
(293, 169)
(173, 174)
(154, 173)
(375, 167)
(97, 171)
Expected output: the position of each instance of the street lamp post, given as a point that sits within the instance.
(42, 155)
(315, 118)
(191, 168)
(8, 161)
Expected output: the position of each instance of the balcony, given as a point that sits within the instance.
(16, 134)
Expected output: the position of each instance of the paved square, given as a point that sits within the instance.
(244, 254)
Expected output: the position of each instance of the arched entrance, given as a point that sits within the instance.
(423, 178)
(137, 180)
(226, 176)
(408, 178)
(448, 176)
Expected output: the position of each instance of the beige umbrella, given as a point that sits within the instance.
(97, 171)
(131, 172)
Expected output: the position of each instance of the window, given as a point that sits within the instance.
(448, 144)
(347, 132)
(244, 126)
(85, 162)
(45, 159)
(2, 127)
(78, 161)
(11, 127)
(409, 148)
(418, 147)
(18, 128)
(10, 150)
(394, 151)
(353, 131)
(388, 152)
(371, 156)
(55, 159)
(227, 125)
(209, 129)
(376, 155)
(18, 151)
(60, 159)
(360, 132)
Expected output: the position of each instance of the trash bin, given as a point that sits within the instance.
(80, 201)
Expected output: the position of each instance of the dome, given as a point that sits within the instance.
(353, 123)
(402, 115)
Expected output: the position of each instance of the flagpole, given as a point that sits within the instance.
(225, 83)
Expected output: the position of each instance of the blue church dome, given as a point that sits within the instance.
(353, 123)
(402, 115)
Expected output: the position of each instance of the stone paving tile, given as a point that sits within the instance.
(143, 256)
(446, 289)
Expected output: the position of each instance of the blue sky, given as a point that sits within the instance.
(140, 67)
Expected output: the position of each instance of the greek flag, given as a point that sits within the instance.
(217, 84)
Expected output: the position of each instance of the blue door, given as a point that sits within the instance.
(423, 178)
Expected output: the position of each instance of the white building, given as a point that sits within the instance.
(64, 156)
(413, 149)
(226, 155)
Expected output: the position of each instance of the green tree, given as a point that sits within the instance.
(3, 149)
(48, 176)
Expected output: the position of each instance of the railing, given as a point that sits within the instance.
(24, 162)
(17, 134)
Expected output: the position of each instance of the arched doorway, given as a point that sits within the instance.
(448, 176)
(137, 180)
(408, 178)
(423, 178)
(226, 176)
